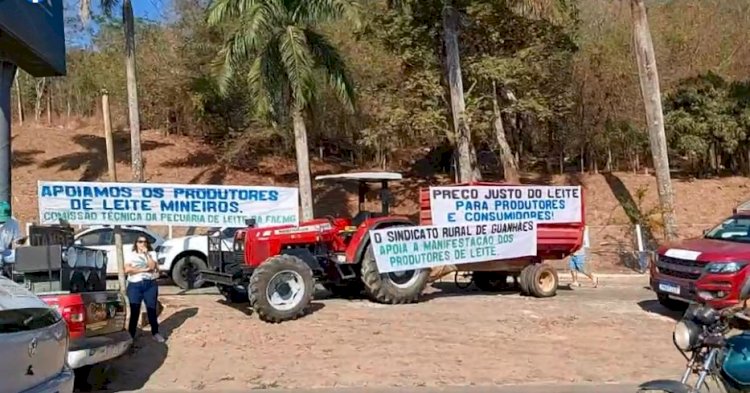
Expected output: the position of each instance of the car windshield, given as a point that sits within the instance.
(734, 229)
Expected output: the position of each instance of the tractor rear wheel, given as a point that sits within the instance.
(542, 280)
(490, 281)
(392, 288)
(281, 289)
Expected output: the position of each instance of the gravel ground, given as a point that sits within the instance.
(614, 333)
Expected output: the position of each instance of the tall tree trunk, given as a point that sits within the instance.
(19, 99)
(583, 158)
(649, 81)
(303, 163)
(132, 86)
(40, 85)
(455, 84)
(49, 105)
(510, 167)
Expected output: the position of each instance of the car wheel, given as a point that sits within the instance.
(185, 272)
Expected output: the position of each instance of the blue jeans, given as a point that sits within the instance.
(145, 291)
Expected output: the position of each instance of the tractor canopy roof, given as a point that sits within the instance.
(367, 177)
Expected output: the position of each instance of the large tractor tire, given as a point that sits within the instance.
(185, 272)
(490, 281)
(542, 280)
(523, 280)
(392, 288)
(281, 289)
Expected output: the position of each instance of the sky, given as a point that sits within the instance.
(155, 10)
(150, 9)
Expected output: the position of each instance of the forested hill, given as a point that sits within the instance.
(613, 200)
(565, 78)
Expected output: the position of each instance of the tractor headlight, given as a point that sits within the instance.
(685, 335)
(725, 267)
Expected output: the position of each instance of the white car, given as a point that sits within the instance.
(186, 256)
(102, 238)
(179, 258)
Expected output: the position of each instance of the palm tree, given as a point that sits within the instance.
(128, 21)
(284, 48)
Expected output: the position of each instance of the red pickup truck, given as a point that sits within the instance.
(708, 269)
(96, 322)
(78, 290)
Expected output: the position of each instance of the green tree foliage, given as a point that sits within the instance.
(706, 119)
(565, 78)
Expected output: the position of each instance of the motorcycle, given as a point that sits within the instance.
(720, 360)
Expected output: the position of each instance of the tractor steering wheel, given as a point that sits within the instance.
(331, 219)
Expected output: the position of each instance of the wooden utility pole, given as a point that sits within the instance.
(651, 93)
(132, 87)
(113, 178)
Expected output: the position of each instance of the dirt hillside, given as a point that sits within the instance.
(613, 201)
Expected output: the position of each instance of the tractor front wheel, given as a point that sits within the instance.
(281, 289)
(392, 288)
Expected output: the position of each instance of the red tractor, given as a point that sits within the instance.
(276, 267)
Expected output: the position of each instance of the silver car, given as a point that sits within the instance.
(33, 343)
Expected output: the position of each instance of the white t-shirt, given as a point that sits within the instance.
(585, 246)
(139, 261)
(10, 232)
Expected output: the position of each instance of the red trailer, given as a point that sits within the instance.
(534, 276)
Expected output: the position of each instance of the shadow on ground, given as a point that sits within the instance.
(653, 306)
(132, 371)
(448, 288)
(94, 158)
(244, 307)
(23, 158)
(213, 173)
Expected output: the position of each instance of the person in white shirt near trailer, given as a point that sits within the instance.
(142, 271)
(578, 262)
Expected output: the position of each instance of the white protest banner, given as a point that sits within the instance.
(475, 204)
(92, 203)
(408, 248)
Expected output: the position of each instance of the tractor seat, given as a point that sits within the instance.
(360, 218)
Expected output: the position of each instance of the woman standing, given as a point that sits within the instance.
(142, 272)
(578, 262)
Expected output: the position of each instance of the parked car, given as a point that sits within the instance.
(179, 258)
(35, 342)
(102, 238)
(708, 269)
(184, 257)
